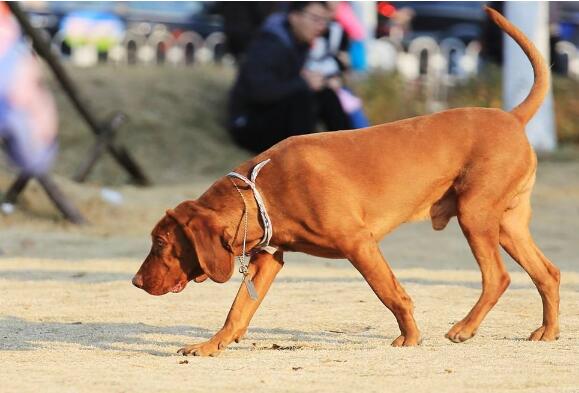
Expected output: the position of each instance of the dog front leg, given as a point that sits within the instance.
(263, 269)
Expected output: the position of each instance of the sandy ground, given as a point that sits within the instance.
(71, 321)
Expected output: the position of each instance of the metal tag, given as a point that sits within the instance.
(250, 288)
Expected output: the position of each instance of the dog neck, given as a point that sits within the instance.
(242, 238)
(267, 227)
(225, 200)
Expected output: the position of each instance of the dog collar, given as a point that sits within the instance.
(268, 230)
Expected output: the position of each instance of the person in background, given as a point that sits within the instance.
(28, 118)
(328, 54)
(329, 57)
(241, 22)
(274, 96)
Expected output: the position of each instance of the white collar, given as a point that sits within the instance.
(268, 230)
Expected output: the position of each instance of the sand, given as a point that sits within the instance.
(70, 320)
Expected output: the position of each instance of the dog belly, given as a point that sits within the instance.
(316, 250)
(419, 208)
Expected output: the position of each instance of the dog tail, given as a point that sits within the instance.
(526, 109)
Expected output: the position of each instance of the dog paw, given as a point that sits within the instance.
(208, 348)
(216, 344)
(460, 333)
(545, 334)
(407, 341)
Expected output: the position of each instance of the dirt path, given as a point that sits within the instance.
(71, 321)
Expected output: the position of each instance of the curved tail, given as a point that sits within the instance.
(526, 109)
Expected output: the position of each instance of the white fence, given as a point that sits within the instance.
(439, 66)
(450, 61)
(570, 53)
(158, 46)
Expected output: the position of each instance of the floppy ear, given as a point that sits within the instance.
(207, 238)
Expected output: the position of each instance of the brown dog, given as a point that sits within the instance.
(336, 194)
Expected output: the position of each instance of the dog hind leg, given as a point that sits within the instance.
(479, 220)
(517, 241)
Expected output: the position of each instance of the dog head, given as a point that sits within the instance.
(188, 244)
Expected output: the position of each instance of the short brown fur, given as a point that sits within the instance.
(337, 194)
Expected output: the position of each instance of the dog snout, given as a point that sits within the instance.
(138, 281)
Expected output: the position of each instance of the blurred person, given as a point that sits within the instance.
(329, 52)
(329, 57)
(274, 96)
(28, 119)
(241, 22)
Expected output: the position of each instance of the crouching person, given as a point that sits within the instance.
(274, 96)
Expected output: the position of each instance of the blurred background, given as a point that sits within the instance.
(169, 67)
(137, 96)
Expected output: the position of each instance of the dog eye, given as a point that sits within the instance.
(159, 244)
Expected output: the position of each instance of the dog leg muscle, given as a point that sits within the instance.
(365, 255)
(263, 269)
(516, 239)
(482, 232)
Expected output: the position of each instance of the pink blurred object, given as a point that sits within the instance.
(347, 18)
(9, 31)
(350, 103)
(28, 117)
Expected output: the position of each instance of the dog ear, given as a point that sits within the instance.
(215, 260)
(207, 238)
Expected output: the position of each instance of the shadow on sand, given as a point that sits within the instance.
(17, 334)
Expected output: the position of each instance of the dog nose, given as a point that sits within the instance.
(138, 281)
